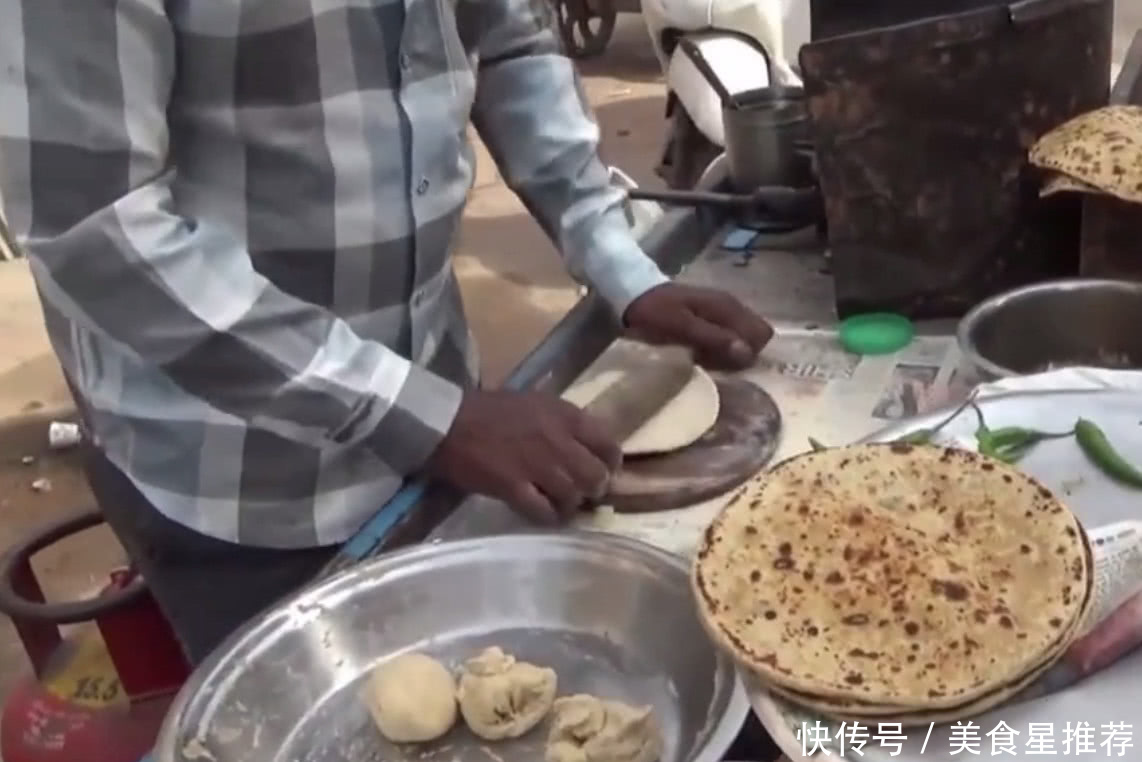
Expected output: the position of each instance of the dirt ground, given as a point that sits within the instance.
(513, 284)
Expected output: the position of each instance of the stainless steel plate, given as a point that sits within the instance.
(613, 616)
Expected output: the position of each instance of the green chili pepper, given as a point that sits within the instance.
(1101, 453)
(1009, 443)
(1015, 436)
(1014, 452)
(984, 439)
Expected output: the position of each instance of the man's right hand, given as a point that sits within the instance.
(540, 454)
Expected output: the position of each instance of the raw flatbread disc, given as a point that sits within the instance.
(1101, 148)
(680, 423)
(922, 577)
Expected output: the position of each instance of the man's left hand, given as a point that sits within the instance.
(722, 331)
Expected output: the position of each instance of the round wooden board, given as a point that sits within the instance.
(738, 445)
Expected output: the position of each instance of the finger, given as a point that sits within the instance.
(714, 343)
(656, 335)
(527, 500)
(590, 474)
(597, 438)
(560, 490)
(726, 311)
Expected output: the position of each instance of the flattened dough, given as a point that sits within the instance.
(504, 698)
(680, 423)
(588, 729)
(411, 698)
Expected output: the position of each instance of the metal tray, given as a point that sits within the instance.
(1104, 697)
(614, 617)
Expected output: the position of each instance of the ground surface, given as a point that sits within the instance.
(513, 284)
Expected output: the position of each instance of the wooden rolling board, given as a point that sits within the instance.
(742, 440)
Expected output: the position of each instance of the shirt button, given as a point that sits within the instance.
(404, 62)
(422, 186)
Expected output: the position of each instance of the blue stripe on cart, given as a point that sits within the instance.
(371, 535)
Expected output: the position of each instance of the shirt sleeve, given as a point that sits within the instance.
(531, 113)
(87, 184)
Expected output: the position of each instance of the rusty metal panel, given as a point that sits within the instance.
(832, 18)
(1112, 229)
(922, 131)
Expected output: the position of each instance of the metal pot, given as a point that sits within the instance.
(765, 129)
(765, 133)
(1073, 322)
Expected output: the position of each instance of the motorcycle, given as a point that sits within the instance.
(711, 51)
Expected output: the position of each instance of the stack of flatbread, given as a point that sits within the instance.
(1098, 152)
(894, 582)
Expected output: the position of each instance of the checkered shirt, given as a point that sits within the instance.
(239, 215)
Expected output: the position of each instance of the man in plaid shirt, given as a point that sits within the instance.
(239, 216)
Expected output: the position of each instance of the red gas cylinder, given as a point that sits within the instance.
(100, 693)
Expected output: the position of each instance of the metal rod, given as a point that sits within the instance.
(693, 198)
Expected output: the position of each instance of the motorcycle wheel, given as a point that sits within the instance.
(585, 26)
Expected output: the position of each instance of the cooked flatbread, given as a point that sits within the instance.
(853, 710)
(914, 576)
(1101, 148)
(1060, 183)
(908, 717)
(911, 718)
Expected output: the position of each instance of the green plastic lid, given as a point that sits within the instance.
(876, 333)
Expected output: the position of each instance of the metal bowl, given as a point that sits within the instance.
(1077, 322)
(613, 616)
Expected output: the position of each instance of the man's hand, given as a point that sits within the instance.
(722, 332)
(541, 455)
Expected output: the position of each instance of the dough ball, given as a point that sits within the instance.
(412, 698)
(588, 729)
(504, 698)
